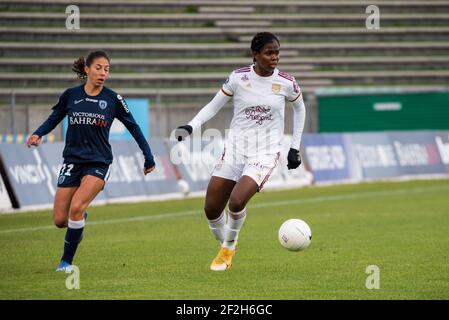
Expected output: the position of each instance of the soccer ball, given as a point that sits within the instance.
(295, 235)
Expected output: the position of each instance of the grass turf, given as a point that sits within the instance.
(162, 250)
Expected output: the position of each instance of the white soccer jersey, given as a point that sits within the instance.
(257, 126)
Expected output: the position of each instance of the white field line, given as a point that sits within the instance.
(387, 193)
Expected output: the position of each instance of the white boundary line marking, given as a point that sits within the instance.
(387, 193)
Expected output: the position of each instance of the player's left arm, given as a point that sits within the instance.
(299, 117)
(124, 115)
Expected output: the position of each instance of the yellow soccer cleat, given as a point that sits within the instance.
(223, 261)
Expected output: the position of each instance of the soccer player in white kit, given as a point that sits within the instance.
(253, 145)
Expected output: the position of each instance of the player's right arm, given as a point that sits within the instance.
(59, 112)
(34, 140)
(208, 111)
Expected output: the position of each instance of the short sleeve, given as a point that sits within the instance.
(293, 91)
(228, 87)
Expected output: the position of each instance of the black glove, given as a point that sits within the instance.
(183, 131)
(149, 163)
(293, 158)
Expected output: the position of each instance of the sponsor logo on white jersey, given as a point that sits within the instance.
(259, 114)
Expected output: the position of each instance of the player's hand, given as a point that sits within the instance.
(34, 140)
(183, 131)
(293, 158)
(148, 170)
(149, 165)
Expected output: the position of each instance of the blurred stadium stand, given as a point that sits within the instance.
(177, 53)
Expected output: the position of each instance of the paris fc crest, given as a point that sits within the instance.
(103, 104)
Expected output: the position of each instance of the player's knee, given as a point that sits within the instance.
(211, 212)
(236, 203)
(60, 219)
(60, 222)
(76, 210)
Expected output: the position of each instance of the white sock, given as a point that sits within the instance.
(217, 226)
(235, 223)
(73, 224)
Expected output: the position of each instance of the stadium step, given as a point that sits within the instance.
(38, 96)
(34, 96)
(202, 50)
(202, 80)
(192, 6)
(141, 80)
(222, 35)
(139, 20)
(144, 65)
(226, 9)
(293, 64)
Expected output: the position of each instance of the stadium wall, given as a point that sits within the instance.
(5, 202)
(351, 110)
(368, 156)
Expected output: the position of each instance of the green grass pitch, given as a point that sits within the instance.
(162, 250)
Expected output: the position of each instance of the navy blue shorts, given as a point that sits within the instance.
(71, 174)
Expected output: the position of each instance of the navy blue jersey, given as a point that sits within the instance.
(89, 122)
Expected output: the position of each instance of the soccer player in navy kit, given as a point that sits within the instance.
(91, 109)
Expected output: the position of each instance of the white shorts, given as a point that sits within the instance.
(259, 168)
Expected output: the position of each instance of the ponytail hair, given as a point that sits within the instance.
(78, 65)
(78, 68)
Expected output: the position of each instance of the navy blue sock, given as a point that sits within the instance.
(72, 238)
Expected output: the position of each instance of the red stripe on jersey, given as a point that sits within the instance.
(285, 75)
(241, 70)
